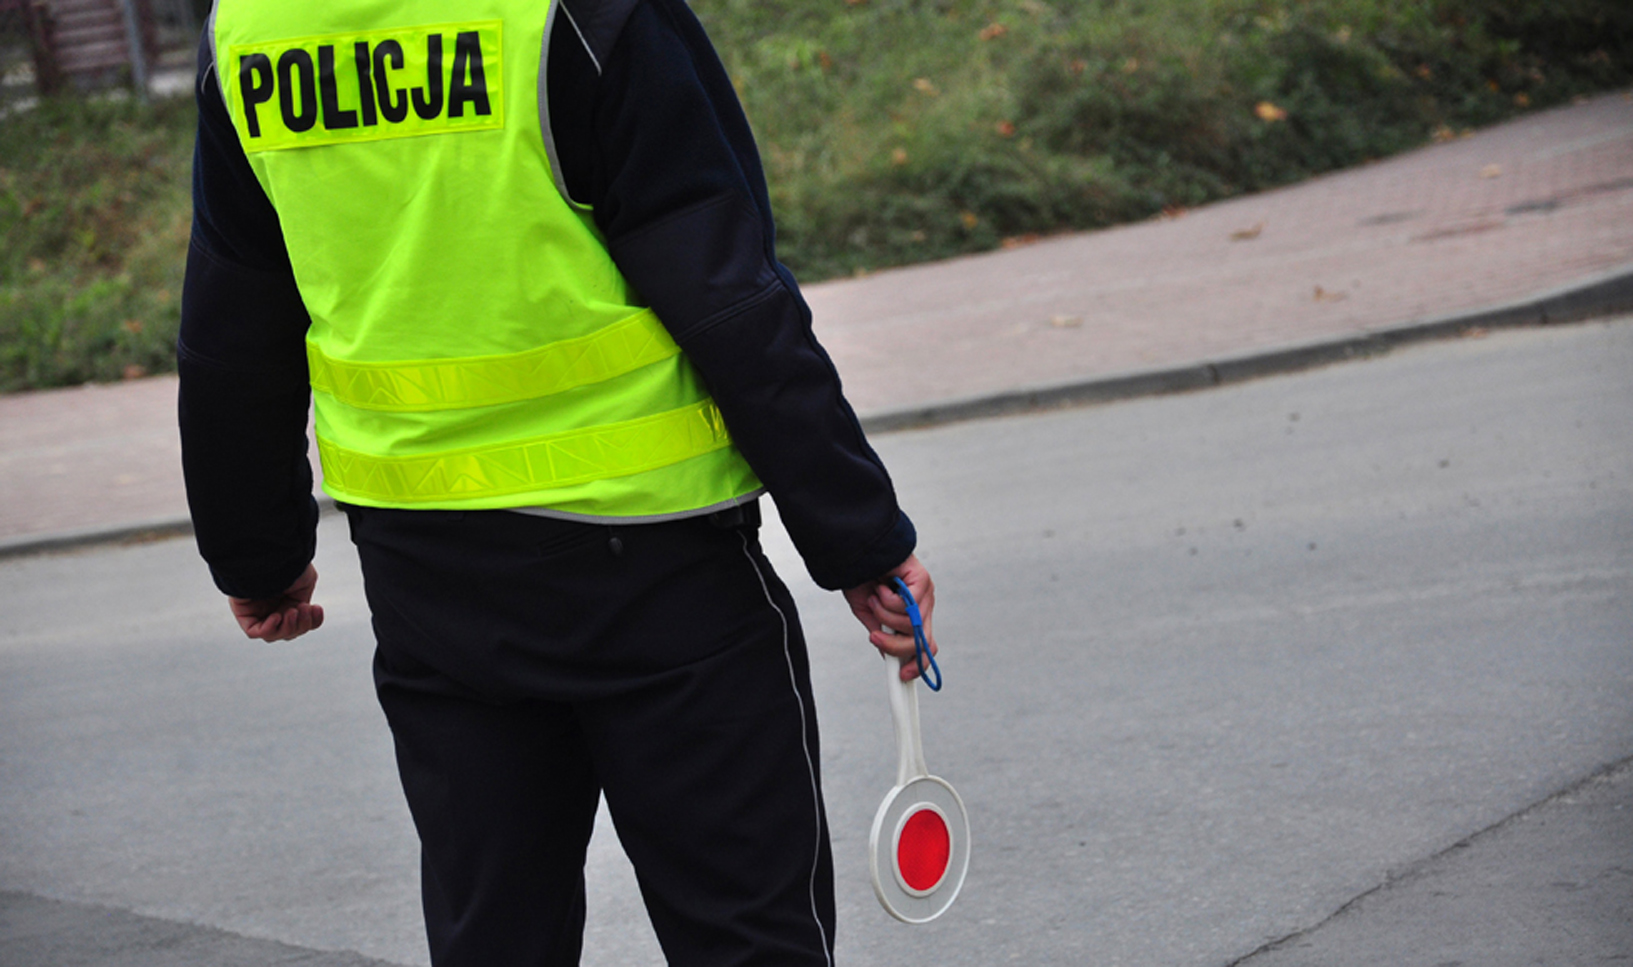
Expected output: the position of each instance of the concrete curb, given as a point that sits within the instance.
(153, 530)
(1607, 294)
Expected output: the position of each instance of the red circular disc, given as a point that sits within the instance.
(919, 849)
(923, 849)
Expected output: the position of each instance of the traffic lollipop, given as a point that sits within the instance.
(919, 849)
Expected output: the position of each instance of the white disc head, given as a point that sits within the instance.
(919, 849)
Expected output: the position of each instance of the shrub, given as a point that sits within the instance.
(94, 213)
(893, 131)
(900, 130)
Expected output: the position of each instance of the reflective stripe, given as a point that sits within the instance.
(558, 460)
(448, 384)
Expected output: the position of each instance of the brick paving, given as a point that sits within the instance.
(1532, 205)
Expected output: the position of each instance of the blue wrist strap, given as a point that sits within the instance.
(921, 646)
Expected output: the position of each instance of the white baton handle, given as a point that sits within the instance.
(904, 713)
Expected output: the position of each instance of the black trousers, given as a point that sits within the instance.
(528, 665)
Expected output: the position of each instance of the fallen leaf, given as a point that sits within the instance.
(1443, 134)
(1474, 332)
(1078, 66)
(1065, 322)
(1005, 129)
(826, 61)
(1322, 295)
(1269, 112)
(1424, 72)
(1247, 234)
(1131, 65)
(898, 157)
(1173, 211)
(1522, 100)
(1020, 241)
(993, 31)
(924, 86)
(1491, 171)
(132, 326)
(970, 219)
(133, 371)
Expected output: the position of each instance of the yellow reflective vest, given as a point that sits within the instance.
(472, 343)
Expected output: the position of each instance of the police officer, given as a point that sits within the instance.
(519, 255)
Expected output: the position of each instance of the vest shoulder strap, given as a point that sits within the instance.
(598, 24)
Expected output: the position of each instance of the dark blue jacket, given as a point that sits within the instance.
(648, 131)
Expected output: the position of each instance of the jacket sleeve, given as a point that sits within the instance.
(241, 356)
(670, 168)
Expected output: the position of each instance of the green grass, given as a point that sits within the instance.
(902, 130)
(94, 214)
(893, 131)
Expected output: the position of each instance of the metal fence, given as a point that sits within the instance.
(20, 68)
(47, 46)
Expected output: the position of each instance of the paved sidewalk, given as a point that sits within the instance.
(1536, 206)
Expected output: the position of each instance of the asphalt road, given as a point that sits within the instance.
(1341, 660)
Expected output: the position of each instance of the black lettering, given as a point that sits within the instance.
(428, 107)
(333, 117)
(365, 87)
(254, 87)
(468, 58)
(289, 62)
(393, 103)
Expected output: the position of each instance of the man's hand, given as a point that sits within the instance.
(884, 613)
(287, 616)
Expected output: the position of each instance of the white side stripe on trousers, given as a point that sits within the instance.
(805, 745)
